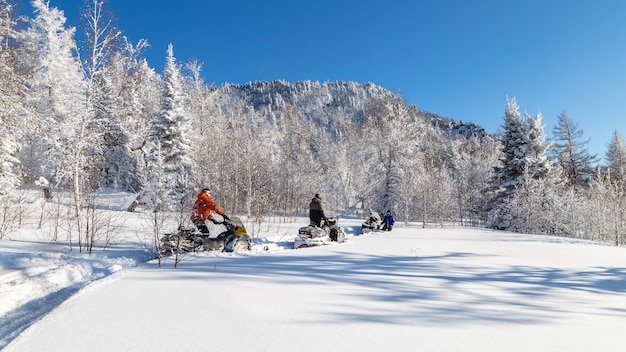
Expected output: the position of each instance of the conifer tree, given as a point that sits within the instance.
(570, 152)
(539, 166)
(526, 169)
(514, 151)
(169, 142)
(616, 158)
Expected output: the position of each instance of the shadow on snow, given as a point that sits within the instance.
(426, 289)
(17, 321)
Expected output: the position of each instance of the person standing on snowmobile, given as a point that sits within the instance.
(388, 221)
(316, 211)
(206, 209)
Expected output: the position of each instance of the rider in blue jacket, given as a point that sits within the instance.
(388, 221)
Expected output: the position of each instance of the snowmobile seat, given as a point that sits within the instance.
(201, 226)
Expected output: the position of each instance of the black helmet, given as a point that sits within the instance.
(206, 190)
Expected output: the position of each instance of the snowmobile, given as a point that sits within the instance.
(233, 238)
(309, 236)
(373, 223)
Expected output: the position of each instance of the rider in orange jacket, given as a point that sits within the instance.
(202, 209)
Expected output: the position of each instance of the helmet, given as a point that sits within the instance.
(206, 190)
(318, 196)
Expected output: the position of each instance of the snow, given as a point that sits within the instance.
(417, 289)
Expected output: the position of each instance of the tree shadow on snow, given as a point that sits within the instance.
(13, 323)
(429, 290)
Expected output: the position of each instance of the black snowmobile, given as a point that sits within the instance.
(373, 223)
(233, 238)
(309, 236)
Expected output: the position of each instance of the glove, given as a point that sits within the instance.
(227, 221)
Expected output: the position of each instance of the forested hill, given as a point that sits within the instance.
(330, 103)
(359, 144)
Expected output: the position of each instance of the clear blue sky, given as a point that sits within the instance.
(456, 58)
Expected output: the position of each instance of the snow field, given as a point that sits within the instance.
(433, 289)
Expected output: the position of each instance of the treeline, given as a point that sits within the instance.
(106, 119)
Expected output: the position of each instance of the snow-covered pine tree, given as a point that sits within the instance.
(539, 166)
(616, 158)
(505, 178)
(616, 183)
(570, 152)
(526, 170)
(169, 140)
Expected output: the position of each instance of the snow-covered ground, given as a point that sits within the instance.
(412, 289)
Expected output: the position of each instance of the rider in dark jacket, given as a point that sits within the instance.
(388, 221)
(316, 211)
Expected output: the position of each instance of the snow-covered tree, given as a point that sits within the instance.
(505, 178)
(136, 104)
(103, 87)
(570, 152)
(206, 120)
(66, 130)
(616, 158)
(525, 166)
(169, 142)
(393, 134)
(472, 165)
(539, 166)
(108, 62)
(101, 38)
(605, 214)
(57, 93)
(10, 101)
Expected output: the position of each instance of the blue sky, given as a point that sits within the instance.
(456, 58)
